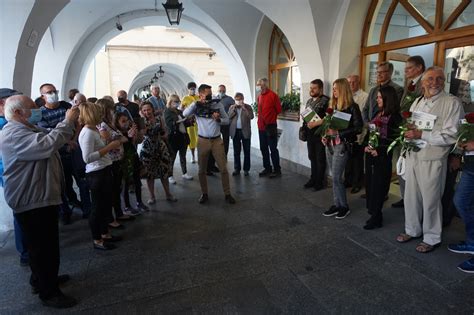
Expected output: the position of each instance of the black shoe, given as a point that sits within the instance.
(24, 262)
(370, 225)
(347, 185)
(246, 173)
(355, 190)
(235, 173)
(318, 187)
(331, 212)
(343, 212)
(230, 199)
(275, 174)
(309, 184)
(264, 173)
(204, 198)
(59, 301)
(209, 173)
(398, 204)
(62, 279)
(104, 246)
(215, 169)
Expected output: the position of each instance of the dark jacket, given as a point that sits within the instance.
(319, 107)
(176, 138)
(349, 135)
(392, 133)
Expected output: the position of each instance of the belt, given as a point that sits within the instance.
(209, 138)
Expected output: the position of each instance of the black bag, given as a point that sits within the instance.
(303, 134)
(271, 130)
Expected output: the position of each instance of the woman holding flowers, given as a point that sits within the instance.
(378, 160)
(338, 143)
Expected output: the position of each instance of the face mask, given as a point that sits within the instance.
(208, 97)
(121, 99)
(221, 94)
(52, 98)
(177, 104)
(192, 91)
(239, 102)
(3, 122)
(35, 116)
(258, 89)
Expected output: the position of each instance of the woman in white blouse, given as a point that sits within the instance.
(98, 173)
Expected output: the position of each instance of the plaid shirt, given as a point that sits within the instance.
(51, 117)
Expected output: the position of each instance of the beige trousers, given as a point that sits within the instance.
(424, 188)
(215, 146)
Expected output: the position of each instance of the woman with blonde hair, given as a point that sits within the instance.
(154, 154)
(178, 138)
(338, 145)
(98, 173)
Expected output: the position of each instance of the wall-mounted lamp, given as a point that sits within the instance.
(173, 9)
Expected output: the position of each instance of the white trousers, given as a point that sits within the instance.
(424, 188)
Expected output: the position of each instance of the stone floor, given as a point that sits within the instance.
(272, 252)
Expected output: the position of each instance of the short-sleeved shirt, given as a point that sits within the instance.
(116, 154)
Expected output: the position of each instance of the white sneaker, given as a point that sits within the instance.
(171, 180)
(186, 176)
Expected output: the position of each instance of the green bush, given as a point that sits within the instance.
(290, 102)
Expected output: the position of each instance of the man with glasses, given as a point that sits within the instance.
(425, 170)
(52, 113)
(384, 78)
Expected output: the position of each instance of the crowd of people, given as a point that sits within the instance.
(107, 148)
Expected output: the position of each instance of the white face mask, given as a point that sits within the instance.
(192, 91)
(258, 89)
(239, 102)
(176, 104)
(51, 98)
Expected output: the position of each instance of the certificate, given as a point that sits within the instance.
(423, 121)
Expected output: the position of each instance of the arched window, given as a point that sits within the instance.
(441, 31)
(283, 74)
(283, 68)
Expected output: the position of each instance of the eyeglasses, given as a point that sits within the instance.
(437, 79)
(51, 92)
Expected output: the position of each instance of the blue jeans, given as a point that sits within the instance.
(237, 140)
(337, 162)
(268, 146)
(464, 202)
(20, 240)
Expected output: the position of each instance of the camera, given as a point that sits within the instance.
(204, 110)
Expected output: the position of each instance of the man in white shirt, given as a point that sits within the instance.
(425, 170)
(210, 115)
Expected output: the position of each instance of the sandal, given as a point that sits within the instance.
(403, 238)
(425, 248)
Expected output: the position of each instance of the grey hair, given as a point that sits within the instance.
(154, 86)
(433, 68)
(13, 104)
(265, 80)
(79, 96)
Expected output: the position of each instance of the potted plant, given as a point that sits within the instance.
(290, 105)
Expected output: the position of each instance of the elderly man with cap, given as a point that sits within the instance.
(33, 181)
(6, 213)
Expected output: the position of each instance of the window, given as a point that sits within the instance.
(283, 68)
(396, 29)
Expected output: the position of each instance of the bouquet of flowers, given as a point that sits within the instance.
(321, 131)
(466, 129)
(406, 145)
(374, 134)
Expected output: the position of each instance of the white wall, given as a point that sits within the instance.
(13, 16)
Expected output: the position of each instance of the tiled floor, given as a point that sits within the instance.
(272, 252)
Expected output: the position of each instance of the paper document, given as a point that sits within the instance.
(340, 120)
(310, 115)
(423, 121)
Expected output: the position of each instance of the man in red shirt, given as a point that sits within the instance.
(269, 107)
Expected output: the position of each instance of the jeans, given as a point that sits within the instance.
(40, 229)
(181, 150)
(20, 242)
(100, 183)
(464, 202)
(449, 211)
(136, 182)
(238, 142)
(268, 146)
(117, 175)
(337, 163)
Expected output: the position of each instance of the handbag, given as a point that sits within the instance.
(303, 134)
